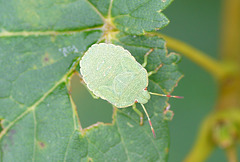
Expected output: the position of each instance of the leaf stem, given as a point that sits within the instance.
(211, 65)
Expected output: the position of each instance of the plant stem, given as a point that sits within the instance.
(203, 145)
(205, 140)
(213, 66)
(229, 95)
(230, 42)
(229, 88)
(231, 154)
(230, 51)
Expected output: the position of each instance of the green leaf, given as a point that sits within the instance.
(134, 17)
(41, 43)
(138, 17)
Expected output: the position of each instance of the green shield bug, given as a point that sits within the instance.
(112, 73)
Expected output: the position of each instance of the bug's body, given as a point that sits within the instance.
(113, 74)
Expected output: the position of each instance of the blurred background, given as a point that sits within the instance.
(197, 23)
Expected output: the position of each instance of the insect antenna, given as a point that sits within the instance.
(157, 94)
(150, 123)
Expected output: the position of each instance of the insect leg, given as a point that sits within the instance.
(164, 95)
(146, 57)
(139, 113)
(149, 120)
(155, 70)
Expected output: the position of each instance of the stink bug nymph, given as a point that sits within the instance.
(112, 73)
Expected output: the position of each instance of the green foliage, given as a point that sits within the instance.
(40, 46)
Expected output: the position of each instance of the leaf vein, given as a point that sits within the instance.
(37, 33)
(35, 136)
(96, 10)
(123, 143)
(110, 9)
(30, 108)
(95, 147)
(70, 137)
(145, 133)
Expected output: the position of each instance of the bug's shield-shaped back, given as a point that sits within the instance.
(113, 74)
(121, 82)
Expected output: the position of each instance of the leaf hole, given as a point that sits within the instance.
(90, 110)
